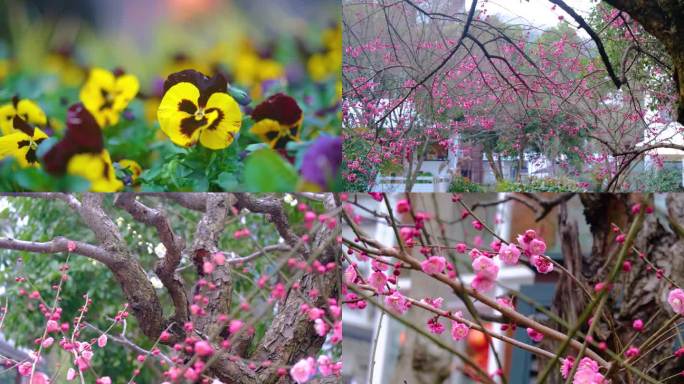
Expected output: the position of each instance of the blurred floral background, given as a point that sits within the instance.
(264, 50)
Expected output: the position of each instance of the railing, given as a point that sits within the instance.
(422, 184)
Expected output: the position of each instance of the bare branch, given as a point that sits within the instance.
(166, 267)
(56, 245)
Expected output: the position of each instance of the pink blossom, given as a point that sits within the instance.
(566, 366)
(397, 302)
(52, 326)
(321, 327)
(40, 378)
(71, 246)
(25, 368)
(535, 335)
(638, 325)
(435, 326)
(104, 380)
(477, 225)
(505, 302)
(433, 265)
(218, 258)
(485, 267)
(102, 341)
(303, 370)
(203, 348)
(403, 206)
(542, 264)
(588, 373)
(676, 300)
(461, 248)
(509, 254)
(377, 280)
(537, 247)
(234, 326)
(474, 253)
(71, 374)
(459, 331)
(350, 274)
(208, 267)
(325, 365)
(632, 352)
(47, 342)
(482, 283)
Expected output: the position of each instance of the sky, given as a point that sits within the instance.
(535, 12)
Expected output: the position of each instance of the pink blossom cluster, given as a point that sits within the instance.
(587, 371)
(306, 369)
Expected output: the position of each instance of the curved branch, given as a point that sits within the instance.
(166, 267)
(56, 245)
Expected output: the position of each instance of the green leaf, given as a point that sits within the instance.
(266, 171)
(227, 181)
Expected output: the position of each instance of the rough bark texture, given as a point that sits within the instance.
(289, 337)
(638, 294)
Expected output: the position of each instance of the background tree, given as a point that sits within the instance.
(215, 284)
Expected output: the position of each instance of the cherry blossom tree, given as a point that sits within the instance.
(595, 95)
(192, 287)
(617, 314)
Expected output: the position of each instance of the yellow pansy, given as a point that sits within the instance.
(107, 94)
(277, 121)
(25, 109)
(62, 64)
(132, 166)
(198, 108)
(22, 143)
(251, 70)
(96, 168)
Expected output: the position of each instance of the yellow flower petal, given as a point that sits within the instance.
(177, 105)
(96, 168)
(7, 113)
(132, 166)
(224, 121)
(125, 89)
(106, 95)
(22, 147)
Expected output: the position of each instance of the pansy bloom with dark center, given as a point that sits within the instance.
(22, 144)
(81, 152)
(198, 108)
(26, 110)
(278, 120)
(106, 94)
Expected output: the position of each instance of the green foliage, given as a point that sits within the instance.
(539, 185)
(665, 180)
(266, 171)
(462, 184)
(42, 220)
(355, 147)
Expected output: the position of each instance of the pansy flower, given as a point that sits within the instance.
(106, 94)
(196, 108)
(278, 120)
(26, 110)
(132, 167)
(81, 152)
(22, 144)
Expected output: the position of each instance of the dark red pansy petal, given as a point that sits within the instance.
(56, 159)
(82, 130)
(206, 85)
(279, 107)
(21, 125)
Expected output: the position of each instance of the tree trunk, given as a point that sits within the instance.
(664, 19)
(638, 294)
(498, 174)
